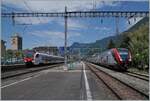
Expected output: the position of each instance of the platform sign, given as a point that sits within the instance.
(70, 50)
(62, 50)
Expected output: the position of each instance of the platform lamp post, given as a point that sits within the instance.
(65, 44)
(117, 25)
(5, 54)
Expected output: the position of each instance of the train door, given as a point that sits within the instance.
(106, 59)
(37, 59)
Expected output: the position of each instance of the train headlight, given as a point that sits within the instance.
(26, 60)
(129, 59)
(120, 59)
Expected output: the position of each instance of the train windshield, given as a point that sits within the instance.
(29, 54)
(123, 53)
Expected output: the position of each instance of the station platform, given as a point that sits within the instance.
(57, 84)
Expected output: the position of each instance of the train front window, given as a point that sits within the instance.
(29, 55)
(123, 54)
(37, 55)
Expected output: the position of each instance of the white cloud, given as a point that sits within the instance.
(53, 38)
(75, 24)
(72, 24)
(46, 34)
(132, 21)
(53, 34)
(109, 3)
(102, 28)
(58, 5)
(33, 20)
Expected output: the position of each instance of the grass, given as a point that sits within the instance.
(136, 70)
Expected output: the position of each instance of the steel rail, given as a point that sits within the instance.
(139, 74)
(146, 78)
(119, 98)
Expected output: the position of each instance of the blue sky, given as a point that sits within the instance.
(50, 31)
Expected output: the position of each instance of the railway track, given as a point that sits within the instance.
(137, 75)
(15, 73)
(133, 74)
(122, 90)
(23, 67)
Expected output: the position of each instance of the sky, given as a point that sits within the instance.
(44, 31)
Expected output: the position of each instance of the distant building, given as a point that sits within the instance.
(62, 50)
(16, 42)
(3, 48)
(47, 49)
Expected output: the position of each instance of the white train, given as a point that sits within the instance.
(115, 58)
(42, 58)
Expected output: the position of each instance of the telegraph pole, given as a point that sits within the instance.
(117, 25)
(65, 44)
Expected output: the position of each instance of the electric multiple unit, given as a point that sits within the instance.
(115, 58)
(37, 58)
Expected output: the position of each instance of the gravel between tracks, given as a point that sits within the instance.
(25, 71)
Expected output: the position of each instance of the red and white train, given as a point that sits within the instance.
(36, 58)
(115, 58)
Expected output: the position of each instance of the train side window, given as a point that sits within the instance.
(37, 55)
(107, 57)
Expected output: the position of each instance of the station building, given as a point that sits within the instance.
(52, 50)
(3, 48)
(16, 42)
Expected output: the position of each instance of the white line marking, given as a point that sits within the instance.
(88, 92)
(19, 81)
(16, 82)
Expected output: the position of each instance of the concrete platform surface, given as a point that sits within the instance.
(56, 84)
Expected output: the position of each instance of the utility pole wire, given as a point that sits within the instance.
(30, 10)
(94, 5)
(117, 25)
(10, 8)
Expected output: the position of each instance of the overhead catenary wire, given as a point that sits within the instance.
(94, 5)
(11, 9)
(29, 9)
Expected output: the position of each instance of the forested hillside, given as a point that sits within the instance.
(137, 40)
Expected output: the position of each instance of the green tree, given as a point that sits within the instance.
(111, 44)
(137, 41)
(9, 53)
(125, 41)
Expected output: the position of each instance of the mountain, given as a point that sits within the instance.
(136, 39)
(98, 44)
